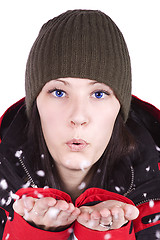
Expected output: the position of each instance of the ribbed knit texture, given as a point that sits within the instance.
(80, 44)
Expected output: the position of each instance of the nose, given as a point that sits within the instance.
(79, 115)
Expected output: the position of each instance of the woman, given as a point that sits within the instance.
(79, 155)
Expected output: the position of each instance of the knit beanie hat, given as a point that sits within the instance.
(80, 44)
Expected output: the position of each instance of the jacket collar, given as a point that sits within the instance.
(13, 125)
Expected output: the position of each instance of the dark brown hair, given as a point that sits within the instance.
(121, 145)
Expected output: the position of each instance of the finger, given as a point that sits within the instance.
(106, 217)
(95, 215)
(42, 205)
(83, 217)
(75, 213)
(63, 218)
(118, 217)
(62, 205)
(22, 205)
(93, 222)
(60, 215)
(131, 212)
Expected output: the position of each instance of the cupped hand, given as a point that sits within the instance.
(111, 213)
(46, 213)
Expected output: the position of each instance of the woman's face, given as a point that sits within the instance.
(77, 118)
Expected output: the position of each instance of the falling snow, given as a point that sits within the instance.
(82, 186)
(70, 230)
(3, 201)
(53, 212)
(151, 203)
(13, 195)
(117, 189)
(148, 168)
(42, 156)
(107, 236)
(158, 234)
(3, 184)
(150, 220)
(26, 215)
(158, 148)
(91, 223)
(7, 237)
(157, 218)
(39, 195)
(26, 185)
(40, 173)
(8, 201)
(145, 195)
(84, 164)
(18, 153)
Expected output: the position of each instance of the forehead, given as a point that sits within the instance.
(68, 81)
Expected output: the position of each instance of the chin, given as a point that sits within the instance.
(78, 164)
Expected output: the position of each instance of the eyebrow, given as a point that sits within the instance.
(64, 82)
(95, 82)
(68, 84)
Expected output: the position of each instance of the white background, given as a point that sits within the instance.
(21, 20)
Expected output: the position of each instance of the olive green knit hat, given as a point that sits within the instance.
(80, 44)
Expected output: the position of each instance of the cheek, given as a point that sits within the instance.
(105, 128)
(51, 122)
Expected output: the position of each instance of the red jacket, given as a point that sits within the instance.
(143, 190)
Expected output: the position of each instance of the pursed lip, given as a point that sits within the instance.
(77, 145)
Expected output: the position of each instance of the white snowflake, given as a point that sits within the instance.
(70, 230)
(148, 168)
(107, 236)
(91, 223)
(151, 203)
(42, 156)
(158, 148)
(9, 218)
(145, 194)
(53, 212)
(39, 195)
(40, 173)
(26, 185)
(82, 186)
(74, 237)
(18, 153)
(157, 218)
(8, 201)
(26, 214)
(3, 184)
(3, 201)
(158, 234)
(117, 189)
(7, 237)
(84, 164)
(13, 195)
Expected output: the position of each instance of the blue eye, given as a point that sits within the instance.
(58, 93)
(99, 94)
